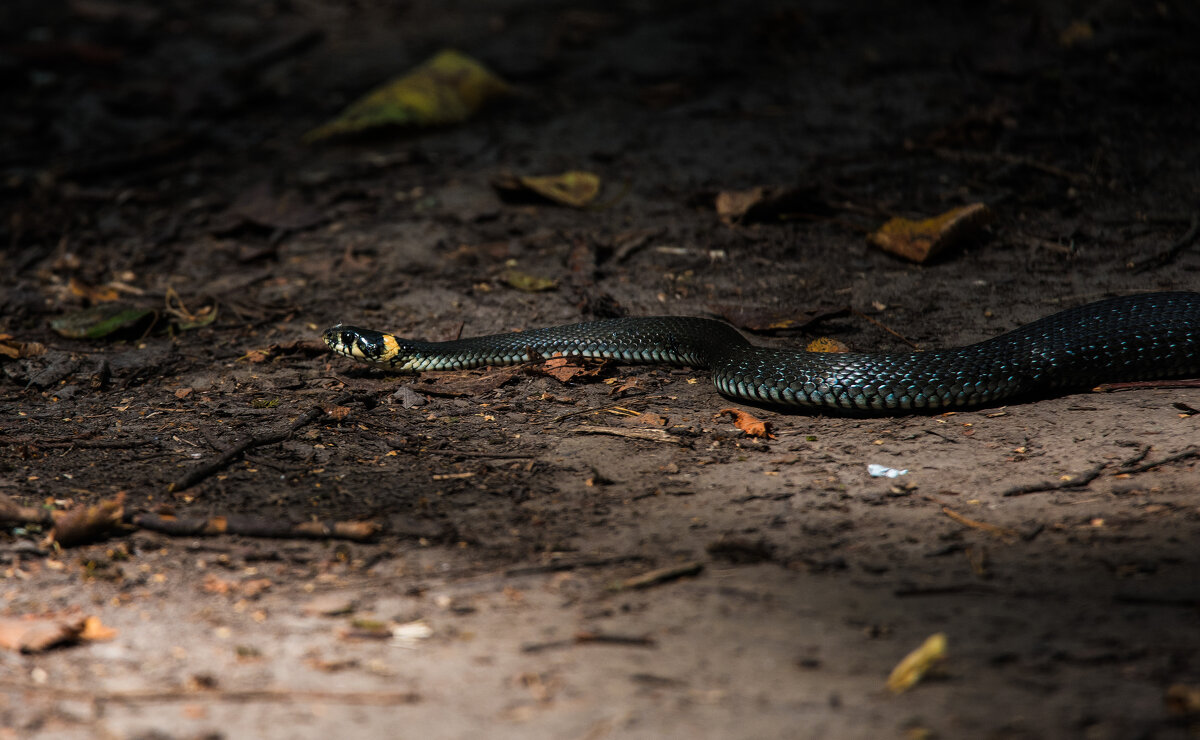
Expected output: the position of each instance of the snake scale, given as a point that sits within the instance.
(1138, 337)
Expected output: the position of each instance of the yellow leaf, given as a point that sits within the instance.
(574, 188)
(916, 664)
(922, 240)
(527, 283)
(448, 88)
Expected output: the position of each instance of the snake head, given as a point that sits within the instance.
(361, 344)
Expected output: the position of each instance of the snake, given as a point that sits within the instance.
(1149, 336)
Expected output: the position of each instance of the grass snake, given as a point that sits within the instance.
(1139, 337)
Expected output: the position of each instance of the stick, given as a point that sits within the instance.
(1168, 255)
(1072, 481)
(228, 457)
(1188, 453)
(251, 526)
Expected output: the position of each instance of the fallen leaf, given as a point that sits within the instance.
(95, 631)
(255, 586)
(750, 425)
(916, 664)
(564, 369)
(98, 322)
(330, 605)
(1183, 699)
(574, 188)
(921, 241)
(31, 635)
(262, 206)
(826, 344)
(15, 350)
(765, 203)
(448, 88)
(89, 523)
(527, 283)
(467, 382)
(1075, 33)
(93, 293)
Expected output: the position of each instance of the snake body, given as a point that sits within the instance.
(1139, 337)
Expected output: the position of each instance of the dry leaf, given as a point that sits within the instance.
(93, 293)
(527, 283)
(14, 349)
(751, 426)
(766, 204)
(36, 634)
(920, 241)
(575, 188)
(1183, 699)
(448, 88)
(89, 523)
(95, 631)
(916, 664)
(827, 344)
(564, 369)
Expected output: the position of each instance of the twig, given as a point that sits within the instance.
(1188, 453)
(955, 155)
(1068, 481)
(1168, 255)
(886, 328)
(250, 526)
(590, 638)
(1005, 534)
(660, 576)
(229, 456)
(650, 435)
(527, 570)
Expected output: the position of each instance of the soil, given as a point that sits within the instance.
(153, 153)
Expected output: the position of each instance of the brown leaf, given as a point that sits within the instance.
(1183, 699)
(338, 413)
(467, 382)
(920, 241)
(95, 631)
(87, 524)
(14, 349)
(93, 293)
(751, 426)
(564, 369)
(767, 204)
(31, 635)
(255, 586)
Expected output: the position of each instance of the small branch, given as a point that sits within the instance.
(1069, 481)
(1168, 255)
(886, 328)
(229, 456)
(660, 576)
(1186, 454)
(249, 526)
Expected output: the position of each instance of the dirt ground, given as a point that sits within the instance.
(152, 152)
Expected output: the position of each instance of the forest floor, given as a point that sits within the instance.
(154, 154)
